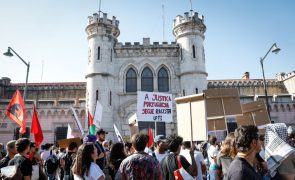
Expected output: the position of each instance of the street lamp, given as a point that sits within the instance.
(273, 49)
(9, 54)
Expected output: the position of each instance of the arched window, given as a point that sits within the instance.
(147, 80)
(131, 81)
(163, 80)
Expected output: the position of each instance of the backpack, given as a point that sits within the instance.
(203, 149)
(51, 164)
(69, 162)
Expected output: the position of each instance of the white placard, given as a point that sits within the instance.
(154, 106)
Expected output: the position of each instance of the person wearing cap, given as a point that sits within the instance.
(161, 148)
(11, 151)
(100, 138)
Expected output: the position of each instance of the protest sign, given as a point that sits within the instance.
(154, 106)
(221, 103)
(254, 113)
(64, 143)
(191, 117)
(133, 124)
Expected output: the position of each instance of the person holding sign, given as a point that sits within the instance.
(169, 163)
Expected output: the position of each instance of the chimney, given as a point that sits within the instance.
(246, 76)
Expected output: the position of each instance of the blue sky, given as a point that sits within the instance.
(52, 33)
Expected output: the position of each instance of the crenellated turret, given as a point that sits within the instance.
(97, 25)
(189, 32)
(102, 34)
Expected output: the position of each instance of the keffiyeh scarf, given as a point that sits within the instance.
(276, 147)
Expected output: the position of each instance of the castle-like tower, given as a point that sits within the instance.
(116, 71)
(189, 32)
(102, 35)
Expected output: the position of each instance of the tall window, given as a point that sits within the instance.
(147, 80)
(98, 53)
(163, 80)
(131, 81)
(194, 51)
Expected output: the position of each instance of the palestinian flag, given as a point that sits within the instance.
(91, 126)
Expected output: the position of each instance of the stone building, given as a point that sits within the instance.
(116, 71)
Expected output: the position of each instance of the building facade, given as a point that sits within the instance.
(116, 71)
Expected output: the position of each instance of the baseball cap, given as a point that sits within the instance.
(101, 131)
(161, 138)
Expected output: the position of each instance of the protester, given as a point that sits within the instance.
(22, 147)
(11, 151)
(212, 157)
(161, 148)
(291, 136)
(140, 165)
(276, 143)
(227, 154)
(201, 166)
(46, 152)
(117, 155)
(84, 167)
(67, 160)
(129, 149)
(101, 137)
(169, 163)
(248, 145)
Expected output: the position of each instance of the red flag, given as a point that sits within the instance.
(151, 139)
(16, 111)
(90, 119)
(36, 129)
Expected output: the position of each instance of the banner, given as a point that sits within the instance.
(97, 114)
(36, 128)
(154, 106)
(77, 121)
(119, 136)
(70, 132)
(16, 111)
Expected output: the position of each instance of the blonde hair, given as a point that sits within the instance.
(228, 148)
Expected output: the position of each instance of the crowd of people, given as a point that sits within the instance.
(244, 154)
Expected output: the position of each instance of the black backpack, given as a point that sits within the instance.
(69, 159)
(51, 164)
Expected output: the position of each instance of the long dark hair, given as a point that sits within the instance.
(117, 153)
(83, 159)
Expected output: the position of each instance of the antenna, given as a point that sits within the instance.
(163, 17)
(99, 8)
(191, 6)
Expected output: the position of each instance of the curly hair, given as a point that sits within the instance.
(244, 135)
(83, 159)
(228, 147)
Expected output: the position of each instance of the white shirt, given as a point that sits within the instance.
(159, 156)
(212, 152)
(45, 154)
(94, 173)
(198, 158)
